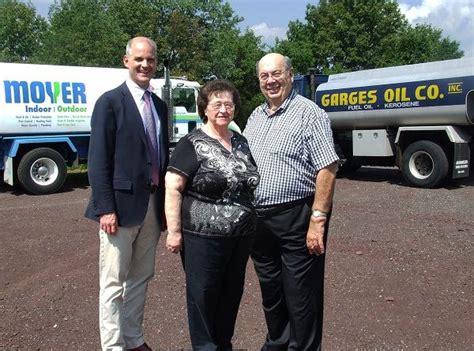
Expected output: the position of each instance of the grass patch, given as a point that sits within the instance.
(82, 168)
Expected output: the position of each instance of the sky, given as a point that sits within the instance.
(269, 18)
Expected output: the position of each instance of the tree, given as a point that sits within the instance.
(200, 39)
(234, 58)
(83, 33)
(21, 31)
(343, 35)
(297, 46)
(423, 43)
(183, 29)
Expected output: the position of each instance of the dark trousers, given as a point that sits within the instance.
(215, 275)
(291, 280)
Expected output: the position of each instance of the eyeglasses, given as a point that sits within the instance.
(218, 105)
(275, 74)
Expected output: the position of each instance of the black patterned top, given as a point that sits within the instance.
(219, 193)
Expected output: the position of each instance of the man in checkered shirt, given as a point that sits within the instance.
(291, 140)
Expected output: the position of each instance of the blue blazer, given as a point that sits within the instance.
(119, 164)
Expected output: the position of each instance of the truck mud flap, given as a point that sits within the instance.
(461, 162)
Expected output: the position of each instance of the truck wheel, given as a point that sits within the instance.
(42, 171)
(425, 164)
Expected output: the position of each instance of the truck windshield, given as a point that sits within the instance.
(184, 97)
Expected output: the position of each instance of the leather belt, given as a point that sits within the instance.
(270, 210)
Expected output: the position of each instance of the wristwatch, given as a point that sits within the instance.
(317, 214)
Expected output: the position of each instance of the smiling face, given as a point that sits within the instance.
(275, 78)
(141, 61)
(220, 109)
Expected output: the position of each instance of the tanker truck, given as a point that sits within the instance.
(45, 113)
(418, 117)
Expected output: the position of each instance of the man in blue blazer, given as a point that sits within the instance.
(128, 155)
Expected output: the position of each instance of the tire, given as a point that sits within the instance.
(42, 171)
(425, 164)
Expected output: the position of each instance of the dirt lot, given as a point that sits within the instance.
(399, 272)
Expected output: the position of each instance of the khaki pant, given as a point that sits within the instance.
(126, 264)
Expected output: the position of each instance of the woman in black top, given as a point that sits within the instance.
(210, 183)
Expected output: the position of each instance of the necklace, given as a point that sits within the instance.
(219, 137)
(225, 141)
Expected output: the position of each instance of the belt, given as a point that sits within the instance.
(270, 210)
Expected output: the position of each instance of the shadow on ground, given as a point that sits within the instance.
(73, 181)
(394, 176)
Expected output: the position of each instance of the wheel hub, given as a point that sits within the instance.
(421, 165)
(44, 171)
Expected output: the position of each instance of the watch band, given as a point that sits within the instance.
(317, 214)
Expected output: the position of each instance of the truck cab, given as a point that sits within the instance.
(183, 103)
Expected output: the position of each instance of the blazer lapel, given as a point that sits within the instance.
(132, 109)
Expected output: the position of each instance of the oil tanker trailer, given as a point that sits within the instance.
(418, 117)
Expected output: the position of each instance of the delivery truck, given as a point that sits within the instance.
(45, 113)
(418, 117)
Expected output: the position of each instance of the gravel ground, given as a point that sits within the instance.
(399, 272)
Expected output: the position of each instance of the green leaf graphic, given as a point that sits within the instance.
(57, 91)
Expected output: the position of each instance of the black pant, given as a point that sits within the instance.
(215, 275)
(291, 280)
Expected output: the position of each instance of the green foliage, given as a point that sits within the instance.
(349, 35)
(21, 31)
(238, 55)
(423, 43)
(297, 46)
(182, 29)
(83, 33)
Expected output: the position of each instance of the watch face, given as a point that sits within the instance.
(317, 214)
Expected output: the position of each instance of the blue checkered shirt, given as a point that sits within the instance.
(289, 146)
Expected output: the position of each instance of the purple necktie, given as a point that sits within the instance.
(151, 137)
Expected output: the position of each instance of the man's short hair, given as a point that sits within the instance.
(128, 48)
(287, 60)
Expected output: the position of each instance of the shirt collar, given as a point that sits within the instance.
(283, 106)
(136, 90)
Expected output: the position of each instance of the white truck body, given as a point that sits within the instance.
(45, 113)
(45, 99)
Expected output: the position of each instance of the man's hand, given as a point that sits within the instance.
(315, 236)
(108, 223)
